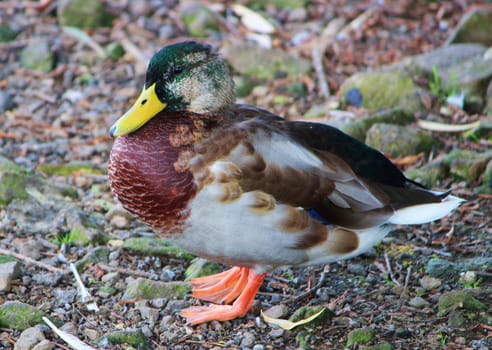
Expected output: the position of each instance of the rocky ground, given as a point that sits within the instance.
(412, 79)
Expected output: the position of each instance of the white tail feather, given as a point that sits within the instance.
(423, 213)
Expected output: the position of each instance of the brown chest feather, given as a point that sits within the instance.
(148, 174)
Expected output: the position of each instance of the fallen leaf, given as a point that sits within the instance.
(287, 324)
(435, 126)
(253, 20)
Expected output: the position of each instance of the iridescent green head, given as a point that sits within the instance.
(186, 76)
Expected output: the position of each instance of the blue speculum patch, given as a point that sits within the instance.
(315, 215)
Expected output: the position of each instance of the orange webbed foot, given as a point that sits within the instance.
(238, 283)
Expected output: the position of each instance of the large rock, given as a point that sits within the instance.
(467, 165)
(464, 299)
(83, 14)
(382, 90)
(29, 338)
(8, 271)
(245, 59)
(474, 27)
(397, 140)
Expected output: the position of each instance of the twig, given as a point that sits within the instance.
(317, 56)
(426, 250)
(390, 272)
(322, 279)
(106, 267)
(29, 260)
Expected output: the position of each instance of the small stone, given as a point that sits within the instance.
(134, 337)
(47, 279)
(277, 311)
(8, 272)
(430, 283)
(248, 339)
(418, 303)
(360, 336)
(92, 334)
(28, 338)
(456, 319)
(276, 333)
(148, 313)
(441, 268)
(159, 302)
(31, 249)
(44, 345)
(6, 101)
(64, 296)
(166, 321)
(199, 20)
(119, 222)
(469, 277)
(175, 306)
(356, 269)
(258, 347)
(111, 278)
(142, 288)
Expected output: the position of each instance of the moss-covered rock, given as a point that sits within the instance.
(429, 175)
(460, 299)
(20, 316)
(142, 288)
(474, 27)
(96, 255)
(383, 90)
(486, 186)
(279, 4)
(397, 140)
(305, 312)
(154, 246)
(467, 165)
(441, 269)
(114, 50)
(358, 129)
(37, 56)
(198, 19)
(360, 336)
(202, 267)
(134, 337)
(84, 14)
(68, 169)
(245, 58)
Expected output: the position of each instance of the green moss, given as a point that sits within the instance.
(360, 336)
(7, 34)
(279, 4)
(12, 186)
(68, 169)
(131, 337)
(99, 254)
(382, 90)
(486, 187)
(475, 27)
(142, 288)
(153, 246)
(460, 299)
(20, 316)
(467, 165)
(114, 50)
(37, 56)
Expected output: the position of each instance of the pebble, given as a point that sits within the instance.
(418, 302)
(174, 306)
(110, 278)
(277, 311)
(158, 302)
(258, 347)
(6, 101)
(429, 283)
(64, 296)
(119, 221)
(92, 334)
(150, 314)
(248, 339)
(29, 338)
(47, 279)
(356, 269)
(44, 345)
(166, 321)
(276, 333)
(8, 271)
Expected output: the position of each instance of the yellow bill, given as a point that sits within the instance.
(144, 109)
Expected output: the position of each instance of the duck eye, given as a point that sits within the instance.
(178, 70)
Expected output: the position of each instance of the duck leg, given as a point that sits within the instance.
(241, 283)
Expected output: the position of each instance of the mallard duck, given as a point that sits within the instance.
(241, 186)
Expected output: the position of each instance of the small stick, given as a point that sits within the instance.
(106, 267)
(29, 260)
(317, 55)
(389, 270)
